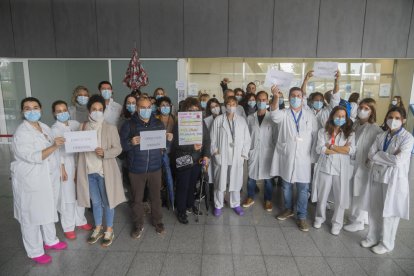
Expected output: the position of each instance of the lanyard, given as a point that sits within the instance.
(231, 128)
(388, 142)
(296, 120)
(333, 137)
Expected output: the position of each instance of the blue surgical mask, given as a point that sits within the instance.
(158, 97)
(317, 105)
(165, 110)
(295, 102)
(339, 121)
(203, 104)
(252, 104)
(239, 98)
(145, 113)
(32, 115)
(82, 100)
(63, 117)
(106, 94)
(281, 101)
(131, 108)
(261, 105)
(153, 108)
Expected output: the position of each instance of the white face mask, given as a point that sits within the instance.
(394, 103)
(215, 110)
(363, 114)
(97, 116)
(394, 124)
(231, 109)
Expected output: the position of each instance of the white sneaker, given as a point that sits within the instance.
(354, 227)
(335, 230)
(367, 243)
(317, 224)
(379, 249)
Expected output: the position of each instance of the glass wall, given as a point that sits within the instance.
(363, 76)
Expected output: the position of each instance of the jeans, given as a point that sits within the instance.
(301, 197)
(268, 188)
(97, 193)
(167, 169)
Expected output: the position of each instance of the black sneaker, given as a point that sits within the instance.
(182, 218)
(159, 228)
(137, 232)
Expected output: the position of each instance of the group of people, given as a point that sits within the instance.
(329, 148)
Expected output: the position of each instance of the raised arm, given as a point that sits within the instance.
(305, 81)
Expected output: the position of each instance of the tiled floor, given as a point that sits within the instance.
(256, 244)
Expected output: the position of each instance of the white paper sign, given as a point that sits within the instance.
(153, 139)
(193, 89)
(279, 78)
(180, 85)
(190, 128)
(385, 90)
(325, 70)
(81, 141)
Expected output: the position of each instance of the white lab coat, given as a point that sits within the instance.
(363, 142)
(263, 142)
(221, 139)
(68, 159)
(113, 112)
(35, 181)
(292, 158)
(325, 164)
(354, 111)
(392, 169)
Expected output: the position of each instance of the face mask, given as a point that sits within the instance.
(239, 98)
(317, 105)
(153, 108)
(131, 108)
(252, 104)
(215, 110)
(394, 124)
(295, 102)
(339, 121)
(261, 105)
(82, 100)
(231, 109)
(363, 114)
(97, 116)
(394, 103)
(145, 113)
(203, 104)
(281, 100)
(63, 117)
(32, 115)
(165, 110)
(106, 94)
(158, 97)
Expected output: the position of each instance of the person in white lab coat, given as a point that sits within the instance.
(263, 132)
(366, 130)
(35, 181)
(113, 109)
(71, 214)
(292, 158)
(389, 187)
(230, 145)
(336, 143)
(318, 106)
(80, 98)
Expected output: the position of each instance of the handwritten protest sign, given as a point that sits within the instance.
(190, 128)
(81, 141)
(152, 139)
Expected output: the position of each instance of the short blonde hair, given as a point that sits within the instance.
(76, 92)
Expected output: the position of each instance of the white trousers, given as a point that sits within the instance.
(326, 183)
(35, 235)
(358, 215)
(219, 199)
(381, 229)
(72, 216)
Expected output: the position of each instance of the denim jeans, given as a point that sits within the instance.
(268, 188)
(301, 197)
(97, 193)
(167, 169)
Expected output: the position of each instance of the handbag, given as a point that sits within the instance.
(184, 162)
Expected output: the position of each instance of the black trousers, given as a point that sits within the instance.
(186, 181)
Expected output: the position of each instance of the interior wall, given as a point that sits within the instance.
(403, 82)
